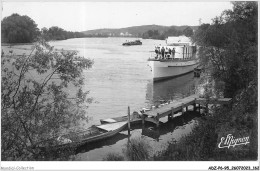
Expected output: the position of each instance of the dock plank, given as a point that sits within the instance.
(176, 105)
(112, 126)
(203, 101)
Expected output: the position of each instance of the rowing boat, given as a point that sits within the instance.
(92, 134)
(134, 118)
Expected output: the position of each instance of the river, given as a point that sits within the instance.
(120, 77)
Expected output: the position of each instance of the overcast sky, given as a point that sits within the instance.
(81, 16)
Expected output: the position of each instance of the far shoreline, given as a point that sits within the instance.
(32, 43)
(15, 44)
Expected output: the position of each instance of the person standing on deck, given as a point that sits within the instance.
(156, 51)
(170, 52)
(173, 53)
(166, 52)
(159, 50)
(162, 51)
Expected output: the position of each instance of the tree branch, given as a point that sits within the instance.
(43, 85)
(20, 75)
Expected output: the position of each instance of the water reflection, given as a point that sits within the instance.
(99, 144)
(169, 126)
(175, 88)
(169, 129)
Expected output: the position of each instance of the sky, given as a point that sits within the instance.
(82, 16)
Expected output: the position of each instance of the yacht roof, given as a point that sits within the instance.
(180, 39)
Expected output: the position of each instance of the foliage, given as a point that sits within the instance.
(152, 34)
(172, 31)
(18, 29)
(228, 51)
(137, 150)
(188, 32)
(228, 47)
(35, 102)
(56, 33)
(113, 157)
(22, 29)
(202, 143)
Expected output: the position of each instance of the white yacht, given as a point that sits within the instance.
(178, 57)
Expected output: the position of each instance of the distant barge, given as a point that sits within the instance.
(136, 42)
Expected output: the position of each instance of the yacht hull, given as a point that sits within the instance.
(162, 70)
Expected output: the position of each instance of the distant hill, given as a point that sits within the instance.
(134, 30)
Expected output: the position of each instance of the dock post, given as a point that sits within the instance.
(194, 105)
(199, 107)
(157, 120)
(169, 117)
(128, 120)
(143, 120)
(187, 108)
(182, 108)
(172, 113)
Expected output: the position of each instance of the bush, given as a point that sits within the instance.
(137, 150)
(202, 143)
(113, 157)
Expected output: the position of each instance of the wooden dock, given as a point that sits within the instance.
(175, 106)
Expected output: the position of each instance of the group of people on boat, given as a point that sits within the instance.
(164, 52)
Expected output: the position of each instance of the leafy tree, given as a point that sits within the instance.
(45, 33)
(172, 31)
(228, 51)
(229, 46)
(56, 33)
(35, 102)
(188, 32)
(18, 29)
(151, 34)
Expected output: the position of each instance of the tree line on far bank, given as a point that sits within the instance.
(172, 31)
(22, 29)
(56, 33)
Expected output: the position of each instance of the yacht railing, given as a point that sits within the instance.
(169, 57)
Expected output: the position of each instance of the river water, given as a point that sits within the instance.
(120, 77)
